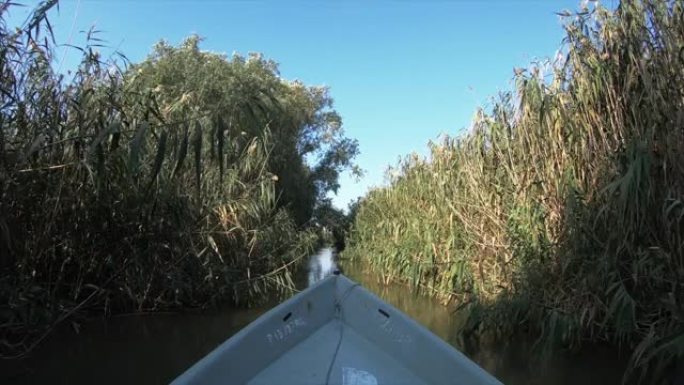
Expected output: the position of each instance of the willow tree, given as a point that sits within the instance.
(310, 148)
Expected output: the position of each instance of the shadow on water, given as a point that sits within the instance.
(511, 361)
(154, 349)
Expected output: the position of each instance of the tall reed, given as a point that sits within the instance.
(561, 211)
(109, 204)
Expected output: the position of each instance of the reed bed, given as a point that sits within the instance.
(561, 211)
(109, 203)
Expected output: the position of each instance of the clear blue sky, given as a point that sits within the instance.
(401, 72)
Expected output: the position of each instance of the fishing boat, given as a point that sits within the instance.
(335, 333)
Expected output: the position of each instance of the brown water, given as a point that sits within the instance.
(154, 349)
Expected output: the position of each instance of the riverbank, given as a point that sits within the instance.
(560, 212)
(150, 186)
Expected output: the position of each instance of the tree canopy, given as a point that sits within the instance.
(310, 149)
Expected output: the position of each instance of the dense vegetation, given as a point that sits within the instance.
(180, 181)
(309, 149)
(333, 223)
(561, 211)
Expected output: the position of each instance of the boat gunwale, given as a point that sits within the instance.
(369, 324)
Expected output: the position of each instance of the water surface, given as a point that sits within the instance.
(154, 349)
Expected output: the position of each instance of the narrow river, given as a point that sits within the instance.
(153, 349)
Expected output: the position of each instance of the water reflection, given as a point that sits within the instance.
(150, 349)
(155, 349)
(321, 265)
(511, 361)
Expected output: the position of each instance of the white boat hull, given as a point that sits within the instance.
(335, 332)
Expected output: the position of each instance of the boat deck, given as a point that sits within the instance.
(338, 322)
(358, 361)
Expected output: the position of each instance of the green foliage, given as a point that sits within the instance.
(561, 211)
(333, 223)
(311, 147)
(118, 197)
